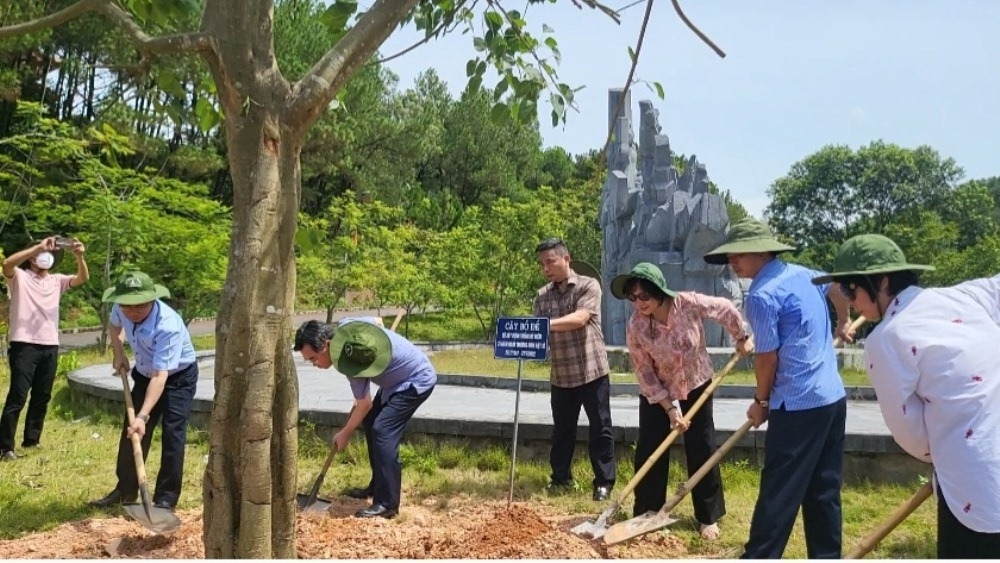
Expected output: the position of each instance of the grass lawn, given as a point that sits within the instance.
(51, 485)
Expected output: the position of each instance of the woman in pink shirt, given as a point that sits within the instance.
(666, 342)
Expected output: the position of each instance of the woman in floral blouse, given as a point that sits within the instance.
(666, 342)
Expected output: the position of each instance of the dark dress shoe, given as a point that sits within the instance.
(8, 455)
(111, 499)
(559, 487)
(367, 492)
(377, 510)
(602, 493)
(163, 504)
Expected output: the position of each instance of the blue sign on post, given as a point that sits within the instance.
(521, 338)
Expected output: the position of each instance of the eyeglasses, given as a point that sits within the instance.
(314, 358)
(849, 290)
(638, 296)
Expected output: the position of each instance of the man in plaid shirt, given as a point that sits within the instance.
(579, 364)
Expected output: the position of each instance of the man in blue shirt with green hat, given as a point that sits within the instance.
(799, 393)
(165, 378)
(368, 354)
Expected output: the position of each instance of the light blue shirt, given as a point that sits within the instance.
(409, 367)
(789, 314)
(161, 342)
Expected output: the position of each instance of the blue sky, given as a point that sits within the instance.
(797, 76)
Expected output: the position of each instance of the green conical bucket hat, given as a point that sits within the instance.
(360, 349)
(747, 236)
(585, 269)
(865, 255)
(645, 271)
(134, 288)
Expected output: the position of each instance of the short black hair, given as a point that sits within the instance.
(313, 333)
(556, 244)
(648, 287)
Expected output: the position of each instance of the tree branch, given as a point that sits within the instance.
(319, 86)
(50, 21)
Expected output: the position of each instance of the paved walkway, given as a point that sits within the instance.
(461, 410)
(205, 327)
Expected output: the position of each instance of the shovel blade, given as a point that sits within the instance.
(308, 503)
(599, 526)
(158, 520)
(648, 522)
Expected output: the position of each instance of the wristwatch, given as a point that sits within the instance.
(764, 403)
(143, 417)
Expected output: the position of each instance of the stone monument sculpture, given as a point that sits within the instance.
(652, 213)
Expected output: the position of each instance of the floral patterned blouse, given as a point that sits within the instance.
(671, 360)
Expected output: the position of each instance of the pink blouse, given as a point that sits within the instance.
(671, 360)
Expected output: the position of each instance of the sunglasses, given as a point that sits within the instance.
(849, 290)
(633, 297)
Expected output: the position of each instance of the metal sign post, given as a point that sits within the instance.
(520, 338)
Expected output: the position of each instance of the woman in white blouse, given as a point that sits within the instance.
(933, 361)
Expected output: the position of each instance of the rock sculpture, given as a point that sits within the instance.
(658, 215)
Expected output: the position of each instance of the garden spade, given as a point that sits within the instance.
(652, 521)
(159, 520)
(310, 502)
(599, 526)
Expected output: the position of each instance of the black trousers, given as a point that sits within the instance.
(384, 426)
(595, 398)
(956, 541)
(32, 369)
(172, 410)
(699, 445)
(803, 466)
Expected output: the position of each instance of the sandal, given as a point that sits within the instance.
(709, 531)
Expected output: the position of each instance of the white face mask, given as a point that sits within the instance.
(44, 260)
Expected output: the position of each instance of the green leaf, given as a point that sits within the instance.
(631, 54)
(659, 89)
(499, 113)
(494, 20)
(547, 29)
(470, 67)
(336, 16)
(500, 89)
(208, 117)
(479, 43)
(169, 83)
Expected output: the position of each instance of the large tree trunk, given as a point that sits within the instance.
(250, 481)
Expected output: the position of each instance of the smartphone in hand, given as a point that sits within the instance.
(65, 242)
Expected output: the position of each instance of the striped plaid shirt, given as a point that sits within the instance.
(577, 357)
(788, 314)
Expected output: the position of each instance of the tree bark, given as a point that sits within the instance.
(250, 481)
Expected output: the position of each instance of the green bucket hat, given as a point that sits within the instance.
(134, 288)
(585, 269)
(866, 255)
(360, 349)
(747, 236)
(644, 271)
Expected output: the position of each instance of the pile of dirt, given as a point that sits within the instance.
(473, 530)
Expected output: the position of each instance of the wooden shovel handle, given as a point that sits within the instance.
(632, 484)
(140, 465)
(711, 462)
(904, 510)
(399, 317)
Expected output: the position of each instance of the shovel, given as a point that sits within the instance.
(652, 521)
(599, 526)
(310, 502)
(159, 520)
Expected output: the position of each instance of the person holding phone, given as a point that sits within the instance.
(33, 349)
